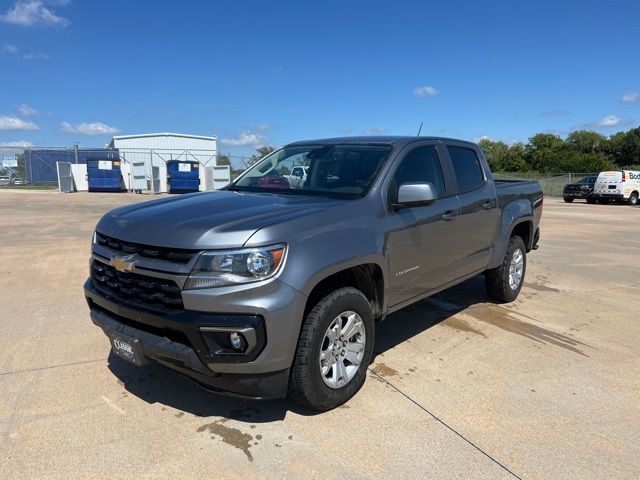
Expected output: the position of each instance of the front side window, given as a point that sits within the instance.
(467, 168)
(420, 165)
(341, 170)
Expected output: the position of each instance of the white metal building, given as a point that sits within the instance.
(145, 157)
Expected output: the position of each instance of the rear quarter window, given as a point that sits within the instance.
(467, 168)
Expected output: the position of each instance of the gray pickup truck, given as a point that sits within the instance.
(263, 291)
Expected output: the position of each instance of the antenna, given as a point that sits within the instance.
(419, 129)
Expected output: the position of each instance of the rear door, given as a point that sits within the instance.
(609, 183)
(423, 242)
(478, 204)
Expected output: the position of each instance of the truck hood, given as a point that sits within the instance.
(210, 220)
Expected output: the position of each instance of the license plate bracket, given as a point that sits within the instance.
(128, 349)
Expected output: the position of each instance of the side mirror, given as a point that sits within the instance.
(415, 195)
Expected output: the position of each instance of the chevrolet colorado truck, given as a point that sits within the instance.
(265, 292)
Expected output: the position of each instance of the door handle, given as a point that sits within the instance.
(449, 215)
(488, 204)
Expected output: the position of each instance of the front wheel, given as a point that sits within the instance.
(504, 282)
(568, 200)
(334, 350)
(591, 200)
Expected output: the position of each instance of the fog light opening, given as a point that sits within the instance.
(237, 341)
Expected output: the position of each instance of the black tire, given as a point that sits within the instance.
(604, 201)
(306, 384)
(496, 280)
(568, 200)
(633, 199)
(591, 200)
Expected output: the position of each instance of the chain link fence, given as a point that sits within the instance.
(38, 166)
(552, 183)
(33, 165)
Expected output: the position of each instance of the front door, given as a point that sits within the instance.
(423, 242)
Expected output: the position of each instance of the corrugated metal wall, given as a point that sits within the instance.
(156, 150)
(40, 164)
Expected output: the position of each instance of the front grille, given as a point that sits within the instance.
(135, 288)
(148, 251)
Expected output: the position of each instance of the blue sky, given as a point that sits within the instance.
(273, 72)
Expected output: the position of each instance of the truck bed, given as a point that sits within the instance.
(510, 190)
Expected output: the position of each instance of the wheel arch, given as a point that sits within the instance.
(366, 277)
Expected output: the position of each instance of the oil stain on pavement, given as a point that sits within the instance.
(229, 435)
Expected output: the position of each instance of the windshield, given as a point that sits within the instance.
(588, 180)
(340, 171)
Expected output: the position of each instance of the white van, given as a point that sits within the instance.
(618, 185)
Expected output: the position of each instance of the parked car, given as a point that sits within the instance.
(583, 189)
(5, 180)
(264, 292)
(298, 176)
(617, 185)
(17, 181)
(272, 181)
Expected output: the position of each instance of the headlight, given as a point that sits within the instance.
(222, 269)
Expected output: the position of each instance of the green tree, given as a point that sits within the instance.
(515, 161)
(262, 152)
(496, 153)
(585, 141)
(543, 152)
(624, 147)
(223, 159)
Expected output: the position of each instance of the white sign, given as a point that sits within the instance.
(184, 167)
(9, 161)
(105, 165)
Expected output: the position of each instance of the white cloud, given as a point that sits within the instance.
(10, 48)
(630, 97)
(34, 12)
(16, 143)
(263, 127)
(425, 91)
(27, 111)
(9, 122)
(36, 56)
(93, 128)
(375, 131)
(245, 139)
(608, 121)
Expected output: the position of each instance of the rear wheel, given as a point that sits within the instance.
(591, 200)
(334, 350)
(633, 198)
(604, 201)
(504, 282)
(568, 200)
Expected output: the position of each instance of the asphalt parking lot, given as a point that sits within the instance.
(546, 387)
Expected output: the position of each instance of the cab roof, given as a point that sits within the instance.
(376, 139)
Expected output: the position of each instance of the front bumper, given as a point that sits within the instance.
(182, 340)
(576, 194)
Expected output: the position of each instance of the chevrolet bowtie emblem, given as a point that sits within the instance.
(126, 263)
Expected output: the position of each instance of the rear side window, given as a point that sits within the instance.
(467, 168)
(421, 165)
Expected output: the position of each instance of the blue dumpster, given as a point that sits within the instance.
(104, 175)
(183, 177)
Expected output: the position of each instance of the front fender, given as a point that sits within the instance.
(312, 259)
